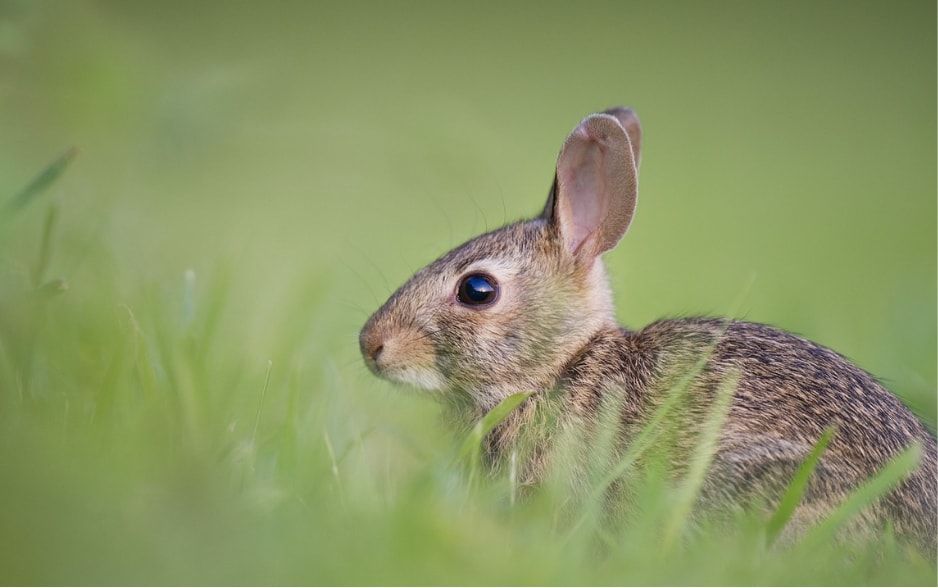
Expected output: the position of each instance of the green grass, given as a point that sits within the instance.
(181, 396)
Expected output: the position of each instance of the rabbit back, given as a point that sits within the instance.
(788, 392)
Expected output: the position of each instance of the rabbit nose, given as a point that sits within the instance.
(372, 346)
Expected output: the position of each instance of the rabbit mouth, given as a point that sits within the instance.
(383, 365)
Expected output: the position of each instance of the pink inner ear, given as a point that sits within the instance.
(596, 186)
(582, 179)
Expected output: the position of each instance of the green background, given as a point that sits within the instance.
(304, 158)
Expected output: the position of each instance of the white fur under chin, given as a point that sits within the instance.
(426, 379)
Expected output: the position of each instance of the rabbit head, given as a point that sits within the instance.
(506, 311)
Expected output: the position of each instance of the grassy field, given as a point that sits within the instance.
(181, 395)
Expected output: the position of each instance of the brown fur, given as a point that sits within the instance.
(553, 332)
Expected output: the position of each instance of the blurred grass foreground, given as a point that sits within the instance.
(201, 203)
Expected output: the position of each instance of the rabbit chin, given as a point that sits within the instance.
(425, 378)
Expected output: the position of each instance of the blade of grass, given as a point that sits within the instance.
(335, 466)
(700, 462)
(286, 463)
(214, 303)
(513, 478)
(797, 487)
(45, 245)
(491, 419)
(471, 448)
(877, 486)
(143, 358)
(41, 182)
(260, 405)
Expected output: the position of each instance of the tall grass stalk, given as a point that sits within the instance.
(693, 480)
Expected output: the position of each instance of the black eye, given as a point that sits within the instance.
(477, 290)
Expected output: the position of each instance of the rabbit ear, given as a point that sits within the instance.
(633, 128)
(595, 188)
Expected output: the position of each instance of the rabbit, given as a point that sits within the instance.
(528, 308)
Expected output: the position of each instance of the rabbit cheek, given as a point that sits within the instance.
(481, 350)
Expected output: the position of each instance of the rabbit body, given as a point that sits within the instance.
(527, 308)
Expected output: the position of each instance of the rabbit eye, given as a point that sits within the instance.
(477, 290)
